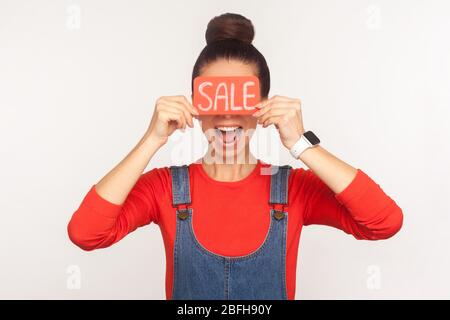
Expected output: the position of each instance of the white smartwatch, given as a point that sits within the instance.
(307, 140)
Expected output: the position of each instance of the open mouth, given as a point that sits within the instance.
(228, 134)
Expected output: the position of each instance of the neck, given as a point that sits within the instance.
(230, 171)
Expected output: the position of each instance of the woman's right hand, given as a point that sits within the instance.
(171, 113)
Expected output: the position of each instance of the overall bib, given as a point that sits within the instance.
(201, 274)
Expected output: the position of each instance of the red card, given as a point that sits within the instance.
(226, 95)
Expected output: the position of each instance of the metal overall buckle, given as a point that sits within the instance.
(183, 211)
(279, 210)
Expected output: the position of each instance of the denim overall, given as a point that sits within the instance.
(201, 274)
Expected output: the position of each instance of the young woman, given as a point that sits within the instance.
(231, 228)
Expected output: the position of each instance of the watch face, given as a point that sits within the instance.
(312, 138)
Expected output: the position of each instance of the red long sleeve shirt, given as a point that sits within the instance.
(232, 218)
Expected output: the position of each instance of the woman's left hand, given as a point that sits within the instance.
(285, 113)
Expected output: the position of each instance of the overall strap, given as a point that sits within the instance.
(279, 184)
(180, 185)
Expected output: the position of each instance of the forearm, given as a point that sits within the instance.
(335, 173)
(117, 184)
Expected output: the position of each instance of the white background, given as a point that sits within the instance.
(78, 81)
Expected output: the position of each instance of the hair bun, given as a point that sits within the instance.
(230, 26)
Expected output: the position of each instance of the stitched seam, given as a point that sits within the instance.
(249, 256)
(188, 185)
(175, 260)
(174, 185)
(273, 177)
(227, 276)
(286, 190)
(284, 257)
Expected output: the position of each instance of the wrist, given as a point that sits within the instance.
(291, 142)
(151, 140)
(308, 140)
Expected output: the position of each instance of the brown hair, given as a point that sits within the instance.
(230, 36)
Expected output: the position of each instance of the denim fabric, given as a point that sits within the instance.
(204, 275)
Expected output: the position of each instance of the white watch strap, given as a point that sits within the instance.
(301, 145)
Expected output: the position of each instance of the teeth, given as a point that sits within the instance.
(227, 128)
(229, 135)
